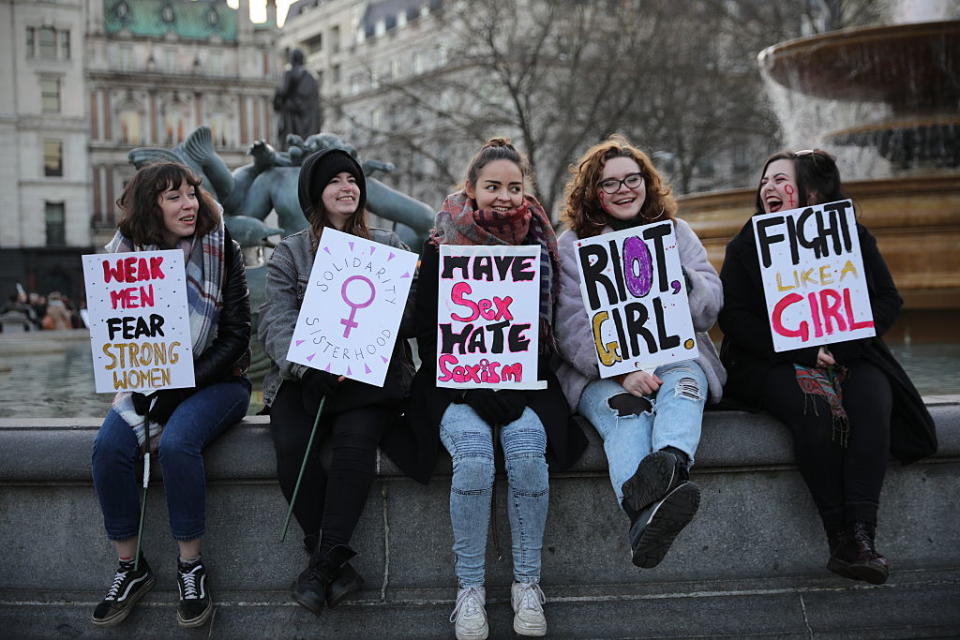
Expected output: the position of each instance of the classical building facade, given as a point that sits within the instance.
(89, 80)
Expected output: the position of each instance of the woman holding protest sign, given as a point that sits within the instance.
(848, 404)
(649, 419)
(164, 207)
(493, 210)
(355, 415)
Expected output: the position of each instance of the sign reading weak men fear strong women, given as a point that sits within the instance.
(635, 297)
(139, 323)
(813, 278)
(352, 308)
(488, 317)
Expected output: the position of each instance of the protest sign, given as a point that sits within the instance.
(488, 317)
(352, 307)
(139, 321)
(635, 298)
(813, 278)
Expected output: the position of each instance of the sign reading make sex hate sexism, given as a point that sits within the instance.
(139, 322)
(352, 308)
(635, 298)
(813, 278)
(488, 317)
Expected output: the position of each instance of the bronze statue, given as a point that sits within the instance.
(297, 101)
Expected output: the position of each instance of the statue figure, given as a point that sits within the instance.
(297, 101)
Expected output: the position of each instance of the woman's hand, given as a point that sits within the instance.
(824, 358)
(640, 383)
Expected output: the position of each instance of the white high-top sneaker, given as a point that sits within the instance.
(469, 618)
(528, 600)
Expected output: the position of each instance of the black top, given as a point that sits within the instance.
(747, 351)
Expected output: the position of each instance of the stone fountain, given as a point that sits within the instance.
(886, 101)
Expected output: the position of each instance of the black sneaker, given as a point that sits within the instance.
(128, 587)
(653, 530)
(658, 474)
(196, 605)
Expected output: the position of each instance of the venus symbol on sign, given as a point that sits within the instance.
(349, 323)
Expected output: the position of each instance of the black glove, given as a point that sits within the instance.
(160, 405)
(496, 408)
(314, 385)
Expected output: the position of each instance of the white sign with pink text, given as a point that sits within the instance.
(352, 307)
(488, 317)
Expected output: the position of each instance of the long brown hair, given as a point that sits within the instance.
(142, 219)
(582, 211)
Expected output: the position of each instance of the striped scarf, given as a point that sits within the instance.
(204, 272)
(825, 382)
(459, 223)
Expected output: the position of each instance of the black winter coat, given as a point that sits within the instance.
(747, 350)
(415, 448)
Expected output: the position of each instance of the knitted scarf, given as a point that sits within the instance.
(460, 223)
(204, 273)
(825, 382)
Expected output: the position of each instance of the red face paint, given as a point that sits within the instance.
(789, 190)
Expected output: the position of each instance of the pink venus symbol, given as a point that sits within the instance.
(350, 323)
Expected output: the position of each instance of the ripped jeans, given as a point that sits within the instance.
(673, 420)
(469, 440)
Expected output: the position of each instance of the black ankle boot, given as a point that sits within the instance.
(854, 555)
(311, 586)
(347, 581)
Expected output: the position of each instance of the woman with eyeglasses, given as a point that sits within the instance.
(649, 420)
(862, 405)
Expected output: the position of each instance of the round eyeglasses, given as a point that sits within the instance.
(612, 185)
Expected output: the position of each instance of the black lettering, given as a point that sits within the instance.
(765, 239)
(656, 234)
(593, 260)
(451, 263)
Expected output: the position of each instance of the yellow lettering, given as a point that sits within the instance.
(608, 352)
(807, 277)
(848, 268)
(783, 287)
(113, 358)
(825, 276)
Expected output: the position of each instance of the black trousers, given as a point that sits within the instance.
(845, 481)
(329, 500)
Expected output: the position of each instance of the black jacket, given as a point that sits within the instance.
(228, 356)
(747, 350)
(415, 448)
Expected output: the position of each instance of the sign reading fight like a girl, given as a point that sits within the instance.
(352, 307)
(488, 317)
(635, 297)
(139, 322)
(813, 277)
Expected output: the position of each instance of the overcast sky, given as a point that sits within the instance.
(258, 9)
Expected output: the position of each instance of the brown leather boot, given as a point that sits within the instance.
(855, 555)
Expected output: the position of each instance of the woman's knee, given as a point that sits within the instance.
(115, 440)
(472, 474)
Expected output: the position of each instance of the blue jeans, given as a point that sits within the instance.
(469, 440)
(673, 421)
(192, 426)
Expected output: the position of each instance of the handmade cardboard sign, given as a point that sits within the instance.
(352, 307)
(488, 317)
(139, 322)
(813, 278)
(636, 299)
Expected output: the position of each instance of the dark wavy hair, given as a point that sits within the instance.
(492, 150)
(582, 211)
(818, 177)
(141, 220)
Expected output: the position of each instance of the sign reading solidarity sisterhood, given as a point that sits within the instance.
(813, 277)
(488, 317)
(139, 323)
(635, 298)
(351, 312)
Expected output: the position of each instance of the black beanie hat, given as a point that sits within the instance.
(319, 169)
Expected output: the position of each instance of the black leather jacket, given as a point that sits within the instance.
(228, 356)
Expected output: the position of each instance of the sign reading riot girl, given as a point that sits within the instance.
(812, 273)
(139, 322)
(352, 308)
(635, 298)
(488, 317)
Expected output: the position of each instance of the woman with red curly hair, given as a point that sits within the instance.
(649, 420)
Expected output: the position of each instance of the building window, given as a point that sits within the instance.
(48, 43)
(336, 74)
(31, 41)
(50, 95)
(52, 158)
(335, 39)
(65, 45)
(56, 224)
(130, 130)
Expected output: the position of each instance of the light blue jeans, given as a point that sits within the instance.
(673, 421)
(469, 440)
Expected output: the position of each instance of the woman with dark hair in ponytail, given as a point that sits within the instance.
(356, 416)
(847, 406)
(492, 209)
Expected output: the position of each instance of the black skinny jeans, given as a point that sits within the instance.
(845, 481)
(329, 500)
